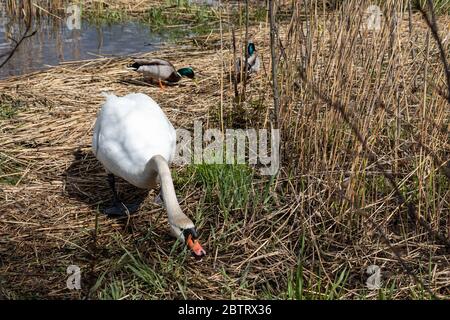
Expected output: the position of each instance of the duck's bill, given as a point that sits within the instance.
(195, 247)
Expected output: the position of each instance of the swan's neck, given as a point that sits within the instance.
(174, 212)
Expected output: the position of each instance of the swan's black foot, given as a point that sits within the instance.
(121, 210)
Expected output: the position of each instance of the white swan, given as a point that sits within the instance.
(134, 140)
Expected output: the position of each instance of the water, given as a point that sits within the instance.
(71, 38)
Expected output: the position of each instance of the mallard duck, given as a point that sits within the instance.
(134, 140)
(161, 70)
(253, 62)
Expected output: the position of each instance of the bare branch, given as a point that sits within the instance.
(432, 24)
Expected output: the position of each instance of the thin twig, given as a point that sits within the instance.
(276, 98)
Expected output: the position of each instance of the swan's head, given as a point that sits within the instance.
(188, 235)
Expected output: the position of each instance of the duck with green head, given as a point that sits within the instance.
(253, 62)
(161, 70)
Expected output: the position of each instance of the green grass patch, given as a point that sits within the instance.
(175, 18)
(191, 17)
(154, 282)
(297, 281)
(115, 290)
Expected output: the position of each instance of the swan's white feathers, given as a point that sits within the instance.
(129, 131)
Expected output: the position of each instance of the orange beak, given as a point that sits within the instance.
(195, 246)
